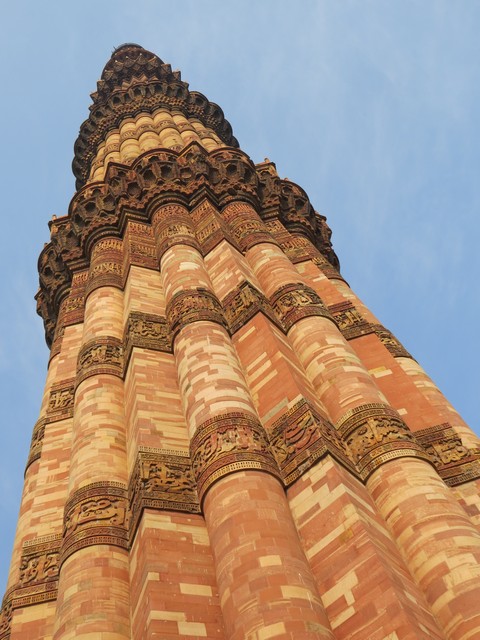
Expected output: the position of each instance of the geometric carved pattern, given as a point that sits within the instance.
(350, 322)
(60, 403)
(161, 480)
(194, 305)
(146, 331)
(373, 434)
(454, 462)
(95, 514)
(300, 438)
(36, 442)
(295, 301)
(228, 443)
(101, 355)
(241, 304)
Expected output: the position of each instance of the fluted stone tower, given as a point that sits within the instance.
(230, 445)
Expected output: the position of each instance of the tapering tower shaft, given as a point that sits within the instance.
(230, 444)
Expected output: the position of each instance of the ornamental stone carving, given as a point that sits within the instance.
(300, 438)
(132, 194)
(390, 342)
(191, 306)
(295, 301)
(36, 442)
(102, 355)
(60, 402)
(349, 320)
(243, 303)
(95, 514)
(454, 462)
(375, 433)
(161, 480)
(146, 331)
(228, 443)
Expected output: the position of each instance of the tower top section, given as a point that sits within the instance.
(136, 81)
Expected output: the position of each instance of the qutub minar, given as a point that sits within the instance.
(230, 445)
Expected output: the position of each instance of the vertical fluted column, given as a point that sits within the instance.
(453, 446)
(93, 597)
(375, 437)
(33, 576)
(263, 578)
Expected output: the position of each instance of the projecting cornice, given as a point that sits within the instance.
(162, 176)
(136, 81)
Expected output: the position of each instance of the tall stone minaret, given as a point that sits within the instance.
(230, 445)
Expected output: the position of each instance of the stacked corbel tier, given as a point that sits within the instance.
(230, 444)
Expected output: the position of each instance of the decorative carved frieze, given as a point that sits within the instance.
(246, 227)
(173, 226)
(243, 303)
(454, 462)
(146, 331)
(349, 320)
(161, 480)
(210, 228)
(39, 571)
(6, 615)
(95, 514)
(155, 180)
(228, 443)
(373, 434)
(300, 438)
(38, 579)
(295, 301)
(60, 402)
(194, 305)
(390, 342)
(36, 442)
(102, 355)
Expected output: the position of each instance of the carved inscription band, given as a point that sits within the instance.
(300, 438)
(353, 325)
(375, 433)
(95, 514)
(454, 462)
(293, 302)
(161, 480)
(146, 331)
(193, 305)
(228, 443)
(102, 355)
(38, 581)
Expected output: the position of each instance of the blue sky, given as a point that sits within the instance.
(371, 106)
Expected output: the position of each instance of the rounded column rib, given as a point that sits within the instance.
(263, 578)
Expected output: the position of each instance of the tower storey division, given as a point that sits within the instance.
(230, 445)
